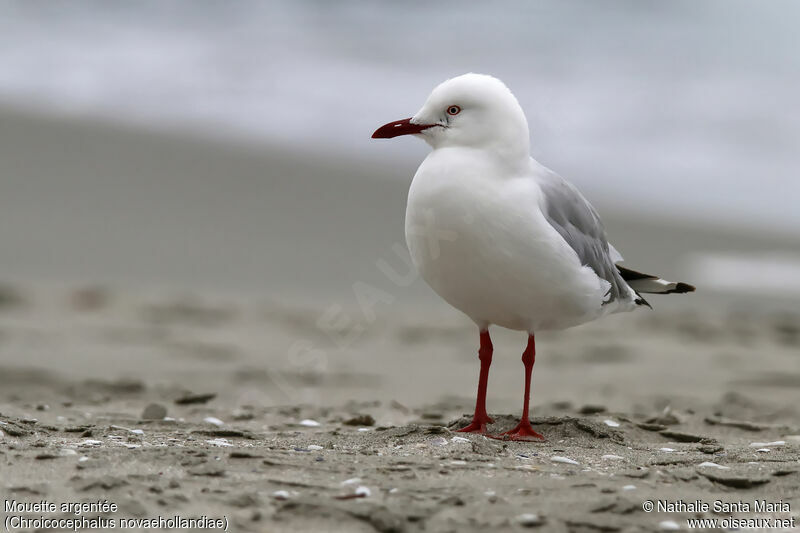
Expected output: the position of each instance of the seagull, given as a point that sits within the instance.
(502, 238)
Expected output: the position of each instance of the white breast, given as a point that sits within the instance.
(477, 236)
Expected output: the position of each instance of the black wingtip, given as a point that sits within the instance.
(682, 288)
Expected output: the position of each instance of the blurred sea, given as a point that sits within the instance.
(682, 109)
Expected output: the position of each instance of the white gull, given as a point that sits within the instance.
(501, 237)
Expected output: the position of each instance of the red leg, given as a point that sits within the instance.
(523, 430)
(481, 418)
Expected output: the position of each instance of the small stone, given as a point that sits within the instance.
(154, 411)
(709, 464)
(529, 520)
(213, 420)
(310, 423)
(314, 447)
(668, 525)
(629, 487)
(281, 495)
(565, 460)
(612, 457)
(611, 423)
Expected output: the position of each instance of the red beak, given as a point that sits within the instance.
(399, 127)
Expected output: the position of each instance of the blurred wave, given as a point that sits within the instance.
(682, 108)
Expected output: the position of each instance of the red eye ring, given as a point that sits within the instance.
(453, 110)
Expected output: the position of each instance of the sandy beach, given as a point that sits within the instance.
(179, 334)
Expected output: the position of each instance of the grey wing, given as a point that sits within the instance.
(574, 218)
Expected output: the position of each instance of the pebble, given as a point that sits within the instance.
(764, 450)
(565, 460)
(766, 444)
(363, 492)
(219, 442)
(668, 525)
(309, 423)
(213, 420)
(713, 465)
(129, 430)
(440, 441)
(351, 481)
(667, 449)
(460, 439)
(154, 411)
(529, 520)
(281, 494)
(611, 423)
(629, 487)
(612, 457)
(90, 442)
(314, 447)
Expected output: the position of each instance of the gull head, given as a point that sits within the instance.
(472, 110)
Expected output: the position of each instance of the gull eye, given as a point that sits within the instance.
(453, 110)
